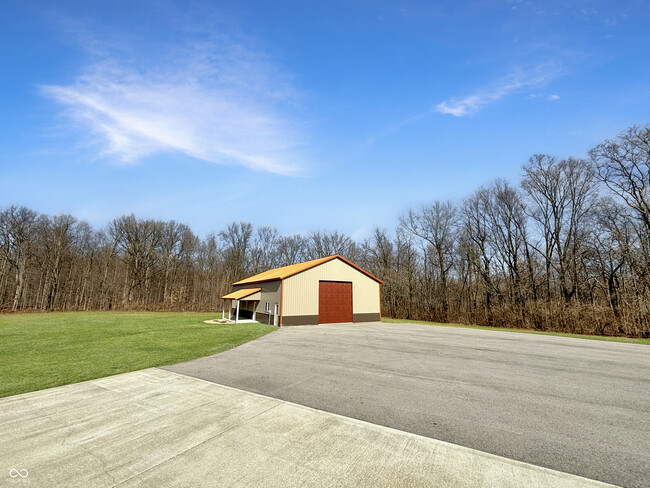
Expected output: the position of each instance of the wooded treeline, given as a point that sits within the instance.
(568, 249)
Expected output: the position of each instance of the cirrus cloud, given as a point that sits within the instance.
(518, 79)
(212, 99)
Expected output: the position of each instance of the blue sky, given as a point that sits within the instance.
(303, 115)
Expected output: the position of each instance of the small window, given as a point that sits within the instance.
(267, 307)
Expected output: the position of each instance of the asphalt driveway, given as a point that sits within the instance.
(572, 405)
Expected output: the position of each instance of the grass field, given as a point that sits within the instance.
(522, 331)
(42, 350)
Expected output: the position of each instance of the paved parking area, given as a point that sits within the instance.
(162, 429)
(578, 406)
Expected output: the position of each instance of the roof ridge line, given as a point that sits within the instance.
(276, 273)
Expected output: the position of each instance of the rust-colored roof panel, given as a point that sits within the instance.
(239, 294)
(286, 271)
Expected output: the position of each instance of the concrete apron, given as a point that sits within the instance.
(158, 428)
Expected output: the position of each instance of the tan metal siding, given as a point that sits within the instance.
(270, 292)
(301, 290)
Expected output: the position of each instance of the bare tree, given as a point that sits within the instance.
(561, 194)
(140, 242)
(291, 250)
(508, 233)
(56, 236)
(264, 253)
(16, 234)
(436, 224)
(624, 166)
(237, 242)
(475, 219)
(321, 244)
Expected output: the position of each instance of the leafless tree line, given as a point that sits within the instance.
(568, 249)
(61, 263)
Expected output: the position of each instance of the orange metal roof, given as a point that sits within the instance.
(239, 294)
(286, 271)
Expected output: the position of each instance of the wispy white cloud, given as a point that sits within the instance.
(554, 97)
(518, 79)
(210, 98)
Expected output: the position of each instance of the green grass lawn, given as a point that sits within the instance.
(523, 331)
(42, 350)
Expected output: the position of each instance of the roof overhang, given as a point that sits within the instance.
(241, 294)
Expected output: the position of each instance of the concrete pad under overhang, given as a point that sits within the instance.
(158, 428)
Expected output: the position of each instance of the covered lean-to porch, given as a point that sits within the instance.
(241, 304)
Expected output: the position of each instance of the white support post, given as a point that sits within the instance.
(237, 315)
(229, 309)
(254, 310)
(223, 314)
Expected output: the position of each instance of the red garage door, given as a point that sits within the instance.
(334, 302)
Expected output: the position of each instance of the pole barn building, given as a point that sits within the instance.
(322, 291)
